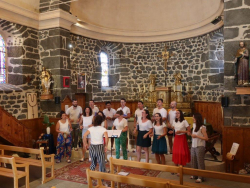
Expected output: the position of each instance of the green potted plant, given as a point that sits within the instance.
(47, 123)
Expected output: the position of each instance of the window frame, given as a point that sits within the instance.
(108, 60)
(6, 55)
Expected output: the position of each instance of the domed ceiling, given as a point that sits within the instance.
(145, 20)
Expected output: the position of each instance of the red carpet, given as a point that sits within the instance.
(76, 172)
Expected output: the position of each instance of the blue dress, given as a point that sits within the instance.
(159, 146)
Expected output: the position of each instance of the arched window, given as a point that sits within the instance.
(2, 61)
(105, 68)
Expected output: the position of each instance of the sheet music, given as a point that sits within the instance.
(234, 148)
(114, 133)
(110, 133)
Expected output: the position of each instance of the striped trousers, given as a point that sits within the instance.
(96, 153)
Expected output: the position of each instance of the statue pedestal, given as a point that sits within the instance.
(242, 90)
(47, 96)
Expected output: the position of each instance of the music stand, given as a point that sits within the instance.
(114, 134)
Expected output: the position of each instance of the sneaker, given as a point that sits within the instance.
(89, 159)
(82, 159)
(191, 177)
(58, 161)
(198, 180)
(76, 149)
(69, 161)
(133, 150)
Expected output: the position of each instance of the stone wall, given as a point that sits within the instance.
(50, 5)
(22, 67)
(236, 24)
(199, 59)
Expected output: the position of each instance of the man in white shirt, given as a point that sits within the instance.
(74, 114)
(160, 110)
(110, 117)
(171, 119)
(95, 109)
(126, 111)
(138, 115)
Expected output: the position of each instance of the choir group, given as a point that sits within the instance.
(94, 125)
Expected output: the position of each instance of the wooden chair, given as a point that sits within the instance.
(14, 173)
(91, 175)
(44, 164)
(210, 144)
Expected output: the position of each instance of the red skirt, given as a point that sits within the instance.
(181, 153)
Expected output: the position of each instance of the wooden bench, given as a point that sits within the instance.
(14, 173)
(44, 164)
(174, 169)
(93, 175)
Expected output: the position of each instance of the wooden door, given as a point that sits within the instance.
(81, 99)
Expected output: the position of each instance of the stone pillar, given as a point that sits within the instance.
(55, 56)
(236, 29)
(50, 5)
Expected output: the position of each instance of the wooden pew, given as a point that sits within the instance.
(170, 185)
(44, 164)
(174, 169)
(91, 175)
(14, 173)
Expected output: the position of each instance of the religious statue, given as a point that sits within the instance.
(178, 78)
(242, 65)
(46, 82)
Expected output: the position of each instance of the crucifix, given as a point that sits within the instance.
(165, 55)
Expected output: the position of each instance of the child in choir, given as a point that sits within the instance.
(86, 122)
(96, 148)
(159, 147)
(181, 153)
(121, 123)
(199, 138)
(105, 125)
(143, 139)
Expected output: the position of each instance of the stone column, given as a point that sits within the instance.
(55, 56)
(236, 29)
(50, 5)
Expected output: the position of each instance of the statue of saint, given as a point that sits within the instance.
(242, 65)
(178, 78)
(45, 81)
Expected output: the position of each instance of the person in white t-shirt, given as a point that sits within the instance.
(138, 115)
(199, 138)
(126, 112)
(64, 140)
(110, 117)
(74, 113)
(181, 153)
(143, 139)
(170, 120)
(160, 110)
(121, 123)
(159, 147)
(95, 109)
(86, 122)
(97, 149)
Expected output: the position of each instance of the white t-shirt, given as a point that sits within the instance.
(146, 126)
(109, 113)
(138, 114)
(64, 127)
(171, 116)
(196, 142)
(74, 113)
(96, 134)
(87, 121)
(180, 126)
(95, 110)
(103, 124)
(162, 111)
(159, 130)
(125, 110)
(120, 125)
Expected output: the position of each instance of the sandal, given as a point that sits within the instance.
(69, 161)
(82, 160)
(198, 180)
(192, 177)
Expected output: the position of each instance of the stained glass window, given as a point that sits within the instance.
(105, 69)
(2, 61)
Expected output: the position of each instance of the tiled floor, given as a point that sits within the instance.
(35, 173)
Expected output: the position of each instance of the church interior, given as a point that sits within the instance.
(55, 52)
